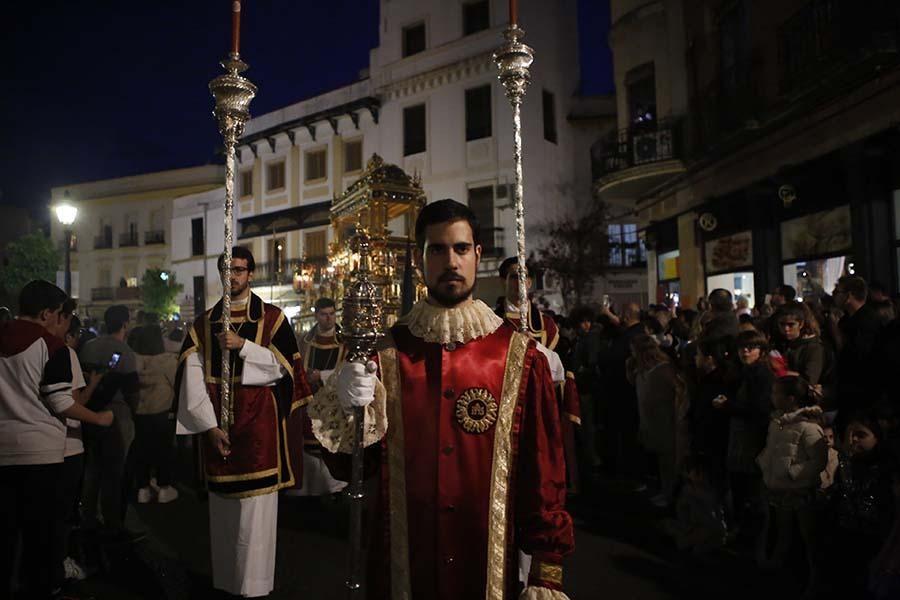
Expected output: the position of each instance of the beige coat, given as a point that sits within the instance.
(795, 452)
(157, 378)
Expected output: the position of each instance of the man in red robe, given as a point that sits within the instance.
(260, 453)
(471, 466)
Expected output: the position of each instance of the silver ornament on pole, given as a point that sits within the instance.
(362, 327)
(513, 60)
(232, 93)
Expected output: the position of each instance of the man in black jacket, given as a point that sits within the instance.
(859, 329)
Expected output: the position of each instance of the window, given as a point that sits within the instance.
(247, 183)
(275, 176)
(197, 245)
(277, 252)
(549, 102)
(481, 201)
(478, 113)
(625, 248)
(353, 156)
(314, 245)
(476, 17)
(640, 90)
(316, 165)
(413, 39)
(414, 129)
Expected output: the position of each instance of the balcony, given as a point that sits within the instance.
(635, 160)
(103, 242)
(492, 239)
(157, 236)
(109, 294)
(128, 239)
(826, 37)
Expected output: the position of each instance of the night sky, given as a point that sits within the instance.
(102, 89)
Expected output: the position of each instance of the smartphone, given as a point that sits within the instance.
(605, 300)
(114, 360)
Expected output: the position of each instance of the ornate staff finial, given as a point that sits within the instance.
(514, 61)
(232, 93)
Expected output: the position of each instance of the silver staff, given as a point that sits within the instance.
(363, 323)
(513, 63)
(232, 93)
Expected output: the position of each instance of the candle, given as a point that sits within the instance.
(513, 12)
(235, 26)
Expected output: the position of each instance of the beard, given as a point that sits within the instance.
(237, 291)
(449, 299)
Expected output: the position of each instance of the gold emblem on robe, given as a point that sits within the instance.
(476, 410)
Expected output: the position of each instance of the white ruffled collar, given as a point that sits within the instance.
(461, 324)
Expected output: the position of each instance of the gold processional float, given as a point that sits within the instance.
(384, 202)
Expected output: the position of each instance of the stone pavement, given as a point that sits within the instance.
(620, 555)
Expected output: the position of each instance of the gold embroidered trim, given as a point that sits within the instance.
(244, 476)
(501, 468)
(476, 410)
(301, 402)
(396, 463)
(548, 572)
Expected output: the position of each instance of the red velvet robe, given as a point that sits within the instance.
(266, 436)
(453, 476)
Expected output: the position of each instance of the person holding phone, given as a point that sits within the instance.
(106, 451)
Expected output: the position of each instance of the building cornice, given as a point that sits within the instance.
(462, 69)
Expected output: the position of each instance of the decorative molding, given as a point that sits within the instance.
(291, 135)
(441, 76)
(271, 141)
(311, 128)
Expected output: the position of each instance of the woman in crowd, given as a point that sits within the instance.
(801, 344)
(662, 420)
(748, 413)
(154, 421)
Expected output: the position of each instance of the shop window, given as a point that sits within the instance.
(740, 284)
(413, 39)
(414, 138)
(275, 176)
(667, 265)
(476, 16)
(549, 107)
(478, 113)
(353, 156)
(316, 165)
(814, 279)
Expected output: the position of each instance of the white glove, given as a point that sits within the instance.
(356, 384)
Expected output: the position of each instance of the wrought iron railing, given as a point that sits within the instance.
(128, 239)
(650, 142)
(102, 242)
(103, 293)
(156, 236)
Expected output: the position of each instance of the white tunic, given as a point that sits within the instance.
(243, 531)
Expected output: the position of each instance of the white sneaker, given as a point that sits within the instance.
(167, 493)
(145, 495)
(73, 569)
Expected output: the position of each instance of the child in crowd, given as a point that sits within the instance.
(826, 477)
(794, 456)
(700, 523)
(863, 506)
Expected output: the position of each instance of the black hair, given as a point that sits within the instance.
(745, 318)
(868, 418)
(855, 286)
(323, 303)
(720, 300)
(788, 292)
(445, 211)
(39, 295)
(148, 340)
(795, 387)
(115, 318)
(581, 314)
(238, 252)
(69, 306)
(753, 338)
(74, 327)
(508, 263)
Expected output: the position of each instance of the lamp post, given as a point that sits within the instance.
(65, 214)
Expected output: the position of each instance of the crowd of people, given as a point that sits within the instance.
(769, 433)
(86, 425)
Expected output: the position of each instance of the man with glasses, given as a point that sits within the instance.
(259, 455)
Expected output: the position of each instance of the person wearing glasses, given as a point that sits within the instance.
(259, 454)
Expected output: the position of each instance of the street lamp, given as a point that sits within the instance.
(65, 214)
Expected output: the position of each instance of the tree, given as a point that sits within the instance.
(32, 256)
(575, 251)
(160, 291)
